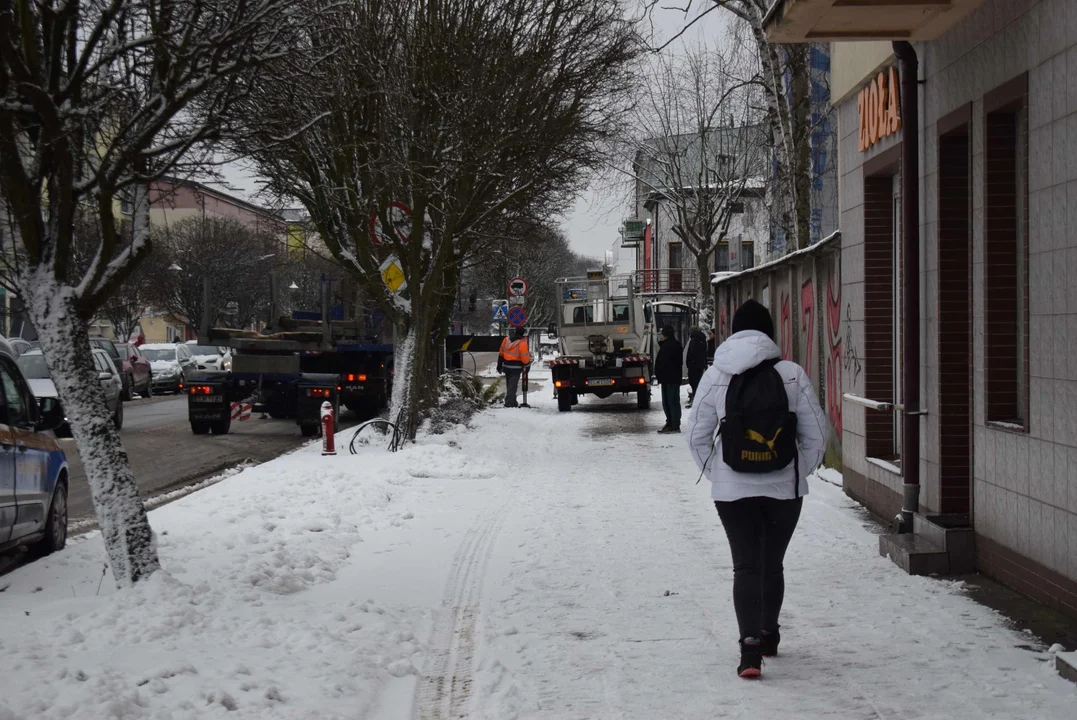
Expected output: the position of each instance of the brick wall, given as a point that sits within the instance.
(1004, 287)
(955, 322)
(879, 312)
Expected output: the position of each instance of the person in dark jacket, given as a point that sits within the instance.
(695, 358)
(667, 371)
(712, 343)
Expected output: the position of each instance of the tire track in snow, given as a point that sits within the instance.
(444, 689)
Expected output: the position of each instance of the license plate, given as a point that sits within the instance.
(207, 398)
(600, 381)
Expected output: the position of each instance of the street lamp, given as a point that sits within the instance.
(293, 286)
(175, 268)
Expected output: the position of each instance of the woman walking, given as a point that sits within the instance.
(757, 431)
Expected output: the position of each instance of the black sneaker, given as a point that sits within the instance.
(666, 430)
(751, 659)
(769, 643)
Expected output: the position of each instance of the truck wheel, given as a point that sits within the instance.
(199, 427)
(311, 430)
(565, 401)
(643, 399)
(220, 427)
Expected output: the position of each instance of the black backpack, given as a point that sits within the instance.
(759, 434)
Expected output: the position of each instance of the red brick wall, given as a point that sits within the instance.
(879, 312)
(1003, 277)
(954, 323)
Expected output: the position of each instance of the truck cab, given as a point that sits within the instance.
(605, 337)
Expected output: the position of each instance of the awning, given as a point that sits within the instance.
(798, 21)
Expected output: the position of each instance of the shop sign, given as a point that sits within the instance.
(879, 105)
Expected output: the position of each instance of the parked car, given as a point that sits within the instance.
(33, 468)
(33, 367)
(20, 346)
(169, 364)
(137, 371)
(117, 359)
(210, 357)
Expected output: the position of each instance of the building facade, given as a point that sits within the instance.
(973, 177)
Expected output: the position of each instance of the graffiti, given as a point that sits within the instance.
(834, 359)
(786, 329)
(807, 321)
(852, 361)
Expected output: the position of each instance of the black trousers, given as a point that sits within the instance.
(512, 384)
(694, 376)
(759, 530)
(671, 404)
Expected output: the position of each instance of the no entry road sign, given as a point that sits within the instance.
(517, 287)
(517, 316)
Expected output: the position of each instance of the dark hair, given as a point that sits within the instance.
(753, 316)
(667, 331)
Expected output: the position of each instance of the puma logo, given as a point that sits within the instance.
(757, 437)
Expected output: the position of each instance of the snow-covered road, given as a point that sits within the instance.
(540, 565)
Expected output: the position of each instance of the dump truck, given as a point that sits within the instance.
(290, 368)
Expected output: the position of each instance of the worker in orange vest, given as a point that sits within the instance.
(511, 360)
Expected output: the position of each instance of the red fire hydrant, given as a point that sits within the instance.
(327, 429)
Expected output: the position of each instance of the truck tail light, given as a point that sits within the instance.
(562, 383)
(641, 381)
(352, 377)
(200, 390)
(318, 392)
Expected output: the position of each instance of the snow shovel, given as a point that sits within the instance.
(524, 403)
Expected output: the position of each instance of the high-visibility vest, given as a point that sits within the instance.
(515, 352)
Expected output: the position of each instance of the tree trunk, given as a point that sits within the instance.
(129, 541)
(705, 293)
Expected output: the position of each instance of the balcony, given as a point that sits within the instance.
(684, 280)
(798, 21)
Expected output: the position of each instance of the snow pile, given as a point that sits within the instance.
(250, 619)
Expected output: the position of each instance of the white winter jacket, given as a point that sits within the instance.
(738, 353)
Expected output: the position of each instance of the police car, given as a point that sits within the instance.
(33, 468)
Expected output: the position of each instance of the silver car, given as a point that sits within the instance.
(37, 375)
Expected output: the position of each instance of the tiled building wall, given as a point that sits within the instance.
(1024, 493)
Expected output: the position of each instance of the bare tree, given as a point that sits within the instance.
(234, 258)
(536, 252)
(784, 73)
(98, 99)
(699, 153)
(441, 116)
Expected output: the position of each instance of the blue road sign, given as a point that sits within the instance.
(501, 313)
(517, 316)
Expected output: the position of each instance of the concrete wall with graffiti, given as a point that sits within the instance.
(803, 293)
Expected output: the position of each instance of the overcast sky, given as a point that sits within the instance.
(591, 224)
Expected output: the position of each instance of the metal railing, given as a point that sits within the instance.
(667, 280)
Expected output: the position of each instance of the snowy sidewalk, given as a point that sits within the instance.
(541, 565)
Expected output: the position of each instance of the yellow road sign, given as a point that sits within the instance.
(393, 275)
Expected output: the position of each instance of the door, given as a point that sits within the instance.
(31, 459)
(8, 510)
(676, 261)
(110, 383)
(140, 367)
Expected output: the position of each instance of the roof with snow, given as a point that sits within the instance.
(828, 244)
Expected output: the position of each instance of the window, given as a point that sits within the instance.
(882, 303)
(126, 206)
(721, 257)
(1006, 254)
(18, 413)
(676, 262)
(747, 255)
